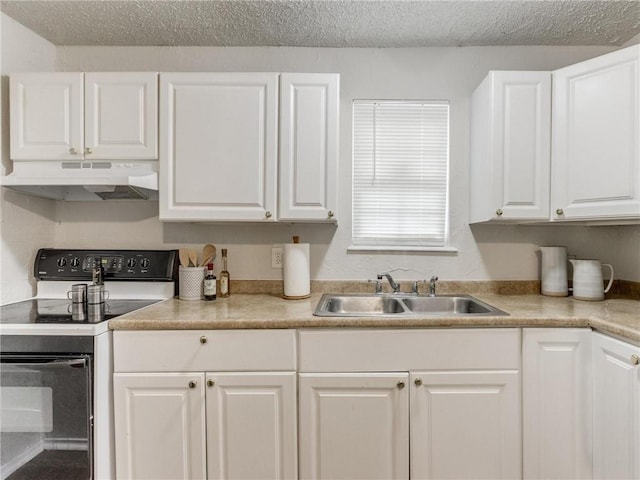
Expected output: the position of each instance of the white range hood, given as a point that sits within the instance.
(82, 181)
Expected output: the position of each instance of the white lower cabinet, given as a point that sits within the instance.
(556, 395)
(446, 406)
(205, 424)
(354, 426)
(465, 424)
(616, 408)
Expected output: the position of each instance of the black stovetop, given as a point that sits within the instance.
(46, 310)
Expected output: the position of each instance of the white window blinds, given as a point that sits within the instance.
(400, 173)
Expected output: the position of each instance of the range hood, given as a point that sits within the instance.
(85, 181)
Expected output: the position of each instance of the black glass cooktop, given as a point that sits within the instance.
(63, 311)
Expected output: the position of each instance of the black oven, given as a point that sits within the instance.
(46, 395)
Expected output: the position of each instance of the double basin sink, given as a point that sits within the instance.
(402, 305)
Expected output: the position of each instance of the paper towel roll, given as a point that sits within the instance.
(297, 282)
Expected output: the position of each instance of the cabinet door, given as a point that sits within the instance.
(121, 116)
(309, 106)
(46, 116)
(596, 138)
(218, 146)
(465, 424)
(556, 389)
(251, 426)
(511, 147)
(616, 409)
(354, 426)
(159, 426)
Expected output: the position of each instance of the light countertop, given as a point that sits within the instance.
(244, 311)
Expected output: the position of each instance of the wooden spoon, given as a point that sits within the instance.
(183, 253)
(208, 254)
(193, 258)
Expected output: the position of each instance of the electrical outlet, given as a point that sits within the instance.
(276, 257)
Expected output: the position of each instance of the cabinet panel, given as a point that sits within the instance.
(218, 146)
(251, 416)
(510, 154)
(308, 146)
(616, 409)
(465, 424)
(596, 137)
(557, 403)
(354, 426)
(159, 426)
(121, 116)
(47, 121)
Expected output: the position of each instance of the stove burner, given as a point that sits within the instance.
(46, 310)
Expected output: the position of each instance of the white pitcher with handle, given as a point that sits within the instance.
(588, 281)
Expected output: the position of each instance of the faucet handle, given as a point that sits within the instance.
(378, 283)
(415, 285)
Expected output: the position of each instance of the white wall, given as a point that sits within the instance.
(485, 252)
(26, 223)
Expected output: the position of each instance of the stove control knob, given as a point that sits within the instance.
(75, 263)
(131, 262)
(144, 263)
(61, 262)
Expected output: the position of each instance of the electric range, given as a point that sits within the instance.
(56, 360)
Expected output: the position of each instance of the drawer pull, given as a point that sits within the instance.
(203, 339)
(635, 359)
(210, 383)
(192, 384)
(400, 385)
(418, 382)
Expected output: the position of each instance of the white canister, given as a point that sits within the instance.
(191, 282)
(553, 271)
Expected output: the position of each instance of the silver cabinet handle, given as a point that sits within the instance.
(203, 340)
(418, 382)
(210, 383)
(635, 359)
(88, 150)
(267, 214)
(400, 385)
(192, 384)
(499, 212)
(73, 151)
(559, 211)
(330, 214)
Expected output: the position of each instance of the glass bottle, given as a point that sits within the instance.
(210, 286)
(224, 276)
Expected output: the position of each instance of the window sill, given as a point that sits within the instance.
(399, 248)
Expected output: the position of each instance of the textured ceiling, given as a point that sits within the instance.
(329, 23)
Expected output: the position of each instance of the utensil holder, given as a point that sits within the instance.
(190, 282)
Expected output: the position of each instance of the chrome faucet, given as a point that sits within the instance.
(395, 286)
(432, 286)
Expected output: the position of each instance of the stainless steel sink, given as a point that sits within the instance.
(406, 305)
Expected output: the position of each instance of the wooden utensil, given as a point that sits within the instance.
(193, 258)
(183, 253)
(208, 254)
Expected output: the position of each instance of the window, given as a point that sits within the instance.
(400, 174)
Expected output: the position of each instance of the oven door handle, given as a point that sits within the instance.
(52, 363)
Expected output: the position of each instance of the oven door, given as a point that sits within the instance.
(46, 416)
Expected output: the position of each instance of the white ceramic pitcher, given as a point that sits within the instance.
(588, 281)
(553, 271)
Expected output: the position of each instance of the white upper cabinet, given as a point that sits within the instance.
(46, 116)
(219, 149)
(510, 147)
(308, 146)
(121, 116)
(76, 116)
(221, 141)
(596, 138)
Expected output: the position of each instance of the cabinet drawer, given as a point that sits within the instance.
(406, 349)
(204, 350)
